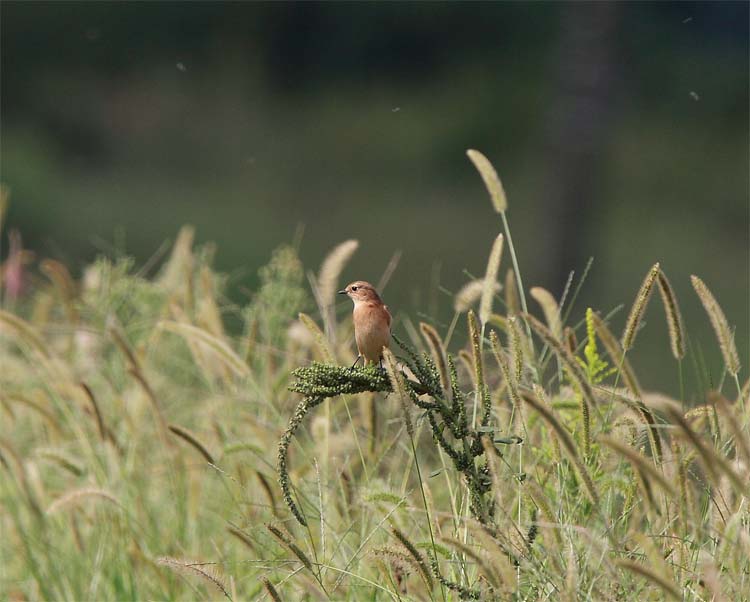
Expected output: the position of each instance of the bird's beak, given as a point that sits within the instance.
(342, 292)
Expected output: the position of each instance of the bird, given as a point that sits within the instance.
(372, 321)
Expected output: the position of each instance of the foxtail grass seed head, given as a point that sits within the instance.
(321, 343)
(437, 350)
(612, 345)
(640, 462)
(25, 334)
(469, 294)
(542, 397)
(574, 372)
(639, 307)
(271, 590)
(286, 540)
(714, 462)
(192, 439)
(62, 280)
(491, 180)
(195, 568)
(180, 261)
(673, 315)
(570, 339)
(565, 438)
(512, 300)
(415, 554)
(512, 381)
(473, 552)
(218, 347)
(571, 576)
(331, 269)
(516, 349)
(550, 309)
(661, 581)
(78, 494)
(476, 349)
(490, 279)
(720, 325)
(397, 382)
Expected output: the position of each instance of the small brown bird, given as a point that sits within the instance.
(372, 321)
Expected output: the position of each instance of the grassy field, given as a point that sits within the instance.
(150, 453)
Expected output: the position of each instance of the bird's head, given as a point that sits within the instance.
(360, 291)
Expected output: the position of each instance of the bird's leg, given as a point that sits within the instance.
(359, 357)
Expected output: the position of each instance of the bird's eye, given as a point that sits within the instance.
(354, 288)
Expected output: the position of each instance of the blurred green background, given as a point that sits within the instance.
(620, 131)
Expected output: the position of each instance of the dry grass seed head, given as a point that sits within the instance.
(63, 460)
(180, 260)
(63, 282)
(97, 412)
(399, 388)
(193, 441)
(516, 348)
(512, 300)
(733, 419)
(574, 372)
(437, 350)
(476, 350)
(78, 494)
(711, 579)
(666, 585)
(640, 462)
(720, 325)
(491, 180)
(201, 340)
(542, 397)
(416, 555)
(714, 463)
(286, 540)
(207, 572)
(567, 443)
(655, 554)
(539, 498)
(567, 359)
(485, 569)
(673, 316)
(644, 413)
(490, 279)
(570, 340)
(639, 308)
(321, 343)
(515, 398)
(25, 334)
(498, 555)
(571, 576)
(327, 281)
(401, 564)
(550, 309)
(271, 589)
(239, 534)
(469, 294)
(612, 345)
(265, 484)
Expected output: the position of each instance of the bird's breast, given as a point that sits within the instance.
(371, 329)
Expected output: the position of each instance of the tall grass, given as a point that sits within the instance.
(140, 453)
